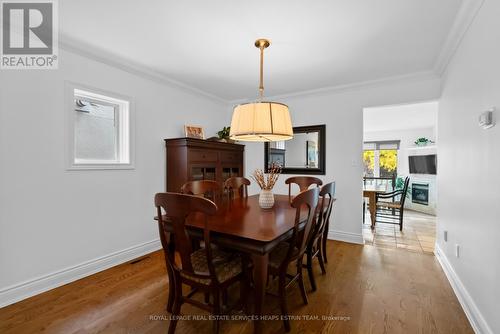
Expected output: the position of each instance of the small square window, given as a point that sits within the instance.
(99, 130)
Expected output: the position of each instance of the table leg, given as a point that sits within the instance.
(373, 207)
(260, 262)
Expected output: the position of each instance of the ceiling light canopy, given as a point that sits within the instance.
(261, 120)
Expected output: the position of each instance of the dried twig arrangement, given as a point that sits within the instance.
(267, 182)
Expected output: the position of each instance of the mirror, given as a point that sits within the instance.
(303, 154)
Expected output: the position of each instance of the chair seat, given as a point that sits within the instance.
(278, 254)
(392, 205)
(226, 266)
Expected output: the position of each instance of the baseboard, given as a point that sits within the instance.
(352, 238)
(476, 319)
(18, 292)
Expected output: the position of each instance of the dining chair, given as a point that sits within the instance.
(304, 182)
(236, 186)
(293, 249)
(316, 247)
(392, 212)
(205, 188)
(207, 269)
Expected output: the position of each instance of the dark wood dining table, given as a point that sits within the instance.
(240, 224)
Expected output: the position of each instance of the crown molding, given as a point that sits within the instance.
(465, 16)
(68, 44)
(411, 77)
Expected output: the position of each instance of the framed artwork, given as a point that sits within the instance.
(312, 154)
(192, 131)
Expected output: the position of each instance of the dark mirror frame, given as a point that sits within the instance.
(321, 129)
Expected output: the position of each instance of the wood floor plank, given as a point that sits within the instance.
(367, 289)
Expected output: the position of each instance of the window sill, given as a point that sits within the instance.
(111, 166)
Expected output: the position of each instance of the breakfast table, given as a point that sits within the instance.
(370, 192)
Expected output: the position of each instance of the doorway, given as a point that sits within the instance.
(400, 142)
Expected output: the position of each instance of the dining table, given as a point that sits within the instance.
(241, 225)
(370, 192)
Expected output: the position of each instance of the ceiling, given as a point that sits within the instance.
(208, 45)
(400, 117)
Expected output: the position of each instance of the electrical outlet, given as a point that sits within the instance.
(457, 250)
(445, 235)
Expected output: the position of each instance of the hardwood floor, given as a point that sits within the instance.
(368, 289)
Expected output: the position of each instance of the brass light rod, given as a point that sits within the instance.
(262, 44)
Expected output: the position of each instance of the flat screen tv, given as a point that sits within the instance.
(423, 164)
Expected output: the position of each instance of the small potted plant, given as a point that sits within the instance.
(423, 141)
(400, 183)
(224, 135)
(266, 184)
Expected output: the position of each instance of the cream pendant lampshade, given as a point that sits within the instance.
(262, 120)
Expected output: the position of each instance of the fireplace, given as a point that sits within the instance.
(420, 193)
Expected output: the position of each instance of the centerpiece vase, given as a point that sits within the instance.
(266, 199)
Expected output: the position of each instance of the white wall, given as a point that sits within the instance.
(342, 112)
(468, 162)
(51, 218)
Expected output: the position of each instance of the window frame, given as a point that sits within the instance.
(376, 147)
(124, 115)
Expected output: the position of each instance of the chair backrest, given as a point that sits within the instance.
(405, 191)
(325, 206)
(299, 239)
(204, 188)
(177, 207)
(304, 182)
(236, 186)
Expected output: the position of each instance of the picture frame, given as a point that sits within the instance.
(193, 131)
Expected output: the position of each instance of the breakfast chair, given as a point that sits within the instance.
(236, 186)
(293, 250)
(317, 242)
(207, 269)
(304, 182)
(392, 212)
(204, 188)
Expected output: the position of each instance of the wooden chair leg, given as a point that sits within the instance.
(310, 270)
(171, 289)
(320, 258)
(301, 282)
(176, 310)
(401, 219)
(283, 305)
(323, 246)
(217, 312)
(207, 297)
(224, 297)
(245, 286)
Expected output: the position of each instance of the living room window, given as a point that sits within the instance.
(99, 135)
(380, 158)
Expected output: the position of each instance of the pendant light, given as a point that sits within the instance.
(261, 121)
